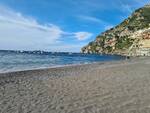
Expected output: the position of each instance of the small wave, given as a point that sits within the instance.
(25, 60)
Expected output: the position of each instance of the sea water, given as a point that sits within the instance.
(27, 60)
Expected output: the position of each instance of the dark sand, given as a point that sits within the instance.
(114, 87)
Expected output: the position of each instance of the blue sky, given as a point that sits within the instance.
(59, 25)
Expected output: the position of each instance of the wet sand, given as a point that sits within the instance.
(112, 87)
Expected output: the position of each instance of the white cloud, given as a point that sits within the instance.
(108, 27)
(101, 22)
(127, 8)
(18, 31)
(25, 33)
(90, 18)
(83, 35)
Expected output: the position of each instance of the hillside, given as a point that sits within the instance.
(131, 37)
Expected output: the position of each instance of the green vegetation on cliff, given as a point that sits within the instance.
(118, 39)
(123, 43)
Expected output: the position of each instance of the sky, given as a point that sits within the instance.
(59, 25)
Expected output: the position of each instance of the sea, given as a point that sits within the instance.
(27, 60)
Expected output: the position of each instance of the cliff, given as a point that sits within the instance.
(131, 37)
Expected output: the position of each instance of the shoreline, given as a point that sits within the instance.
(62, 66)
(33, 60)
(100, 64)
(112, 87)
(73, 65)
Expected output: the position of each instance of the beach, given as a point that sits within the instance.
(111, 87)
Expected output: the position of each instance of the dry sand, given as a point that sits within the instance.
(114, 87)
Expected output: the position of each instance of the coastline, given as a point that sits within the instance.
(60, 66)
(31, 60)
(110, 87)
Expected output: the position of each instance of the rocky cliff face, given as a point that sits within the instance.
(122, 39)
